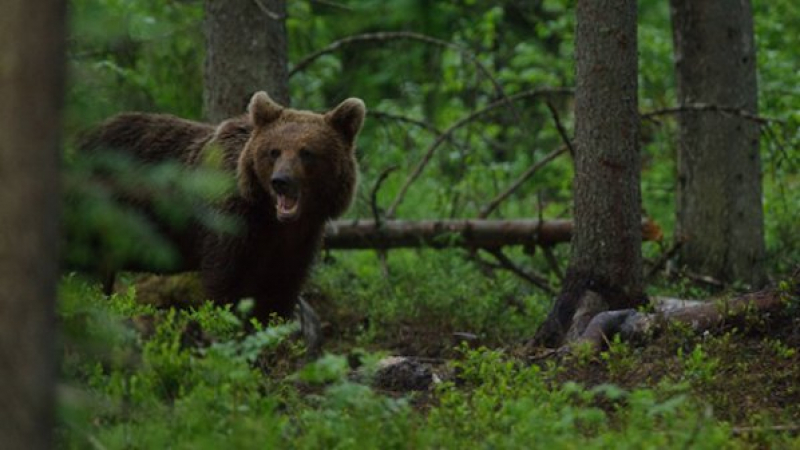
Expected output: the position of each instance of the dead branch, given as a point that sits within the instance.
(405, 119)
(704, 279)
(700, 107)
(487, 234)
(374, 193)
(464, 121)
(492, 205)
(431, 128)
(552, 261)
(662, 260)
(529, 275)
(561, 130)
(268, 12)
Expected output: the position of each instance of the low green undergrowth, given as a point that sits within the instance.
(138, 377)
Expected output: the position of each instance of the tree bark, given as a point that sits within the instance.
(719, 212)
(605, 270)
(246, 51)
(32, 40)
(489, 234)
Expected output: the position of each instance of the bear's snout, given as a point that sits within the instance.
(287, 193)
(284, 184)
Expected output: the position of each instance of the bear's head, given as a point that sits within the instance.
(305, 162)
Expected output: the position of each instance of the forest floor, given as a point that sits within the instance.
(743, 371)
(738, 382)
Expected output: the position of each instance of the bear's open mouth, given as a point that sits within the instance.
(287, 207)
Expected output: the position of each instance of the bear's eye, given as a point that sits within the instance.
(274, 153)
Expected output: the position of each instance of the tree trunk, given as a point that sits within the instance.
(246, 51)
(719, 215)
(605, 270)
(31, 75)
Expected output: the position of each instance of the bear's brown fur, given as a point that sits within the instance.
(294, 170)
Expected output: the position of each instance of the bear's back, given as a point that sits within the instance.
(149, 137)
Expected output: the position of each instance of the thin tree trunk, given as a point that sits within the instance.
(720, 217)
(32, 36)
(605, 270)
(246, 51)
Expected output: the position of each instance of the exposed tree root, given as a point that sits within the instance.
(699, 316)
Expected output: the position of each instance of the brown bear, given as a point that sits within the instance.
(294, 170)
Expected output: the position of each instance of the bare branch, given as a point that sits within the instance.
(531, 276)
(464, 121)
(666, 256)
(374, 194)
(416, 122)
(561, 130)
(492, 205)
(271, 14)
(383, 36)
(552, 261)
(406, 119)
(700, 107)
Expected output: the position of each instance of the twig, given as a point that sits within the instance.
(416, 122)
(374, 193)
(397, 35)
(400, 118)
(552, 261)
(460, 123)
(561, 130)
(770, 134)
(271, 14)
(704, 279)
(383, 255)
(492, 205)
(666, 256)
(549, 353)
(700, 107)
(531, 276)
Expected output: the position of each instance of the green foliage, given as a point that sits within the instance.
(512, 405)
(132, 386)
(439, 290)
(95, 221)
(698, 367)
(149, 393)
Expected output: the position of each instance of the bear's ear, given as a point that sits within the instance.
(347, 118)
(263, 109)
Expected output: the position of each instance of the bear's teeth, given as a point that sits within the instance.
(287, 205)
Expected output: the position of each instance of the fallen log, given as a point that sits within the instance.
(477, 233)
